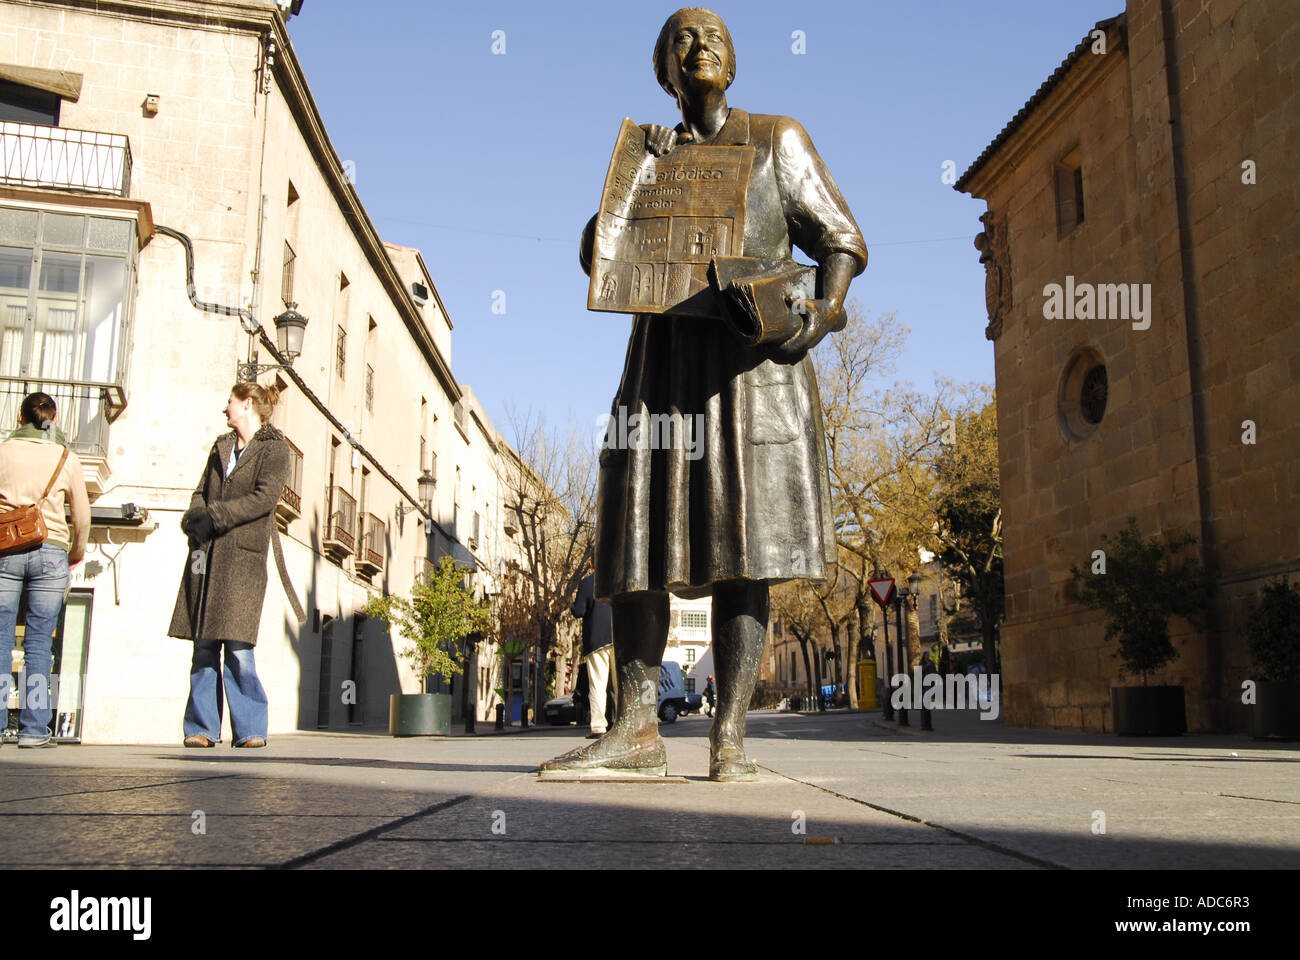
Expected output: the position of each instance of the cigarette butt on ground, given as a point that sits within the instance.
(820, 841)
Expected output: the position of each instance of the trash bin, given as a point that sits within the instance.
(867, 685)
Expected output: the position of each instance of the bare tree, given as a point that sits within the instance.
(548, 490)
(880, 441)
(796, 604)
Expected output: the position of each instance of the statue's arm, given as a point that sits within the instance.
(821, 225)
(587, 245)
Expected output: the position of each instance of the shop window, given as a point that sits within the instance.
(65, 687)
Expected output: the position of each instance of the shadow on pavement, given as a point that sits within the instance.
(244, 758)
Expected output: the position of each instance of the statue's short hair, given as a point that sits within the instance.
(665, 40)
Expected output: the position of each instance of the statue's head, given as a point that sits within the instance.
(694, 47)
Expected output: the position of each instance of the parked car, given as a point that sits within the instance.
(573, 707)
(673, 699)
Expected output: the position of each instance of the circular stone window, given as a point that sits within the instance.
(1081, 401)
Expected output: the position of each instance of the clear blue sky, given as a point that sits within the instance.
(491, 164)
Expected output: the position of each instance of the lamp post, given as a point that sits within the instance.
(426, 486)
(289, 329)
(888, 709)
(899, 594)
(914, 599)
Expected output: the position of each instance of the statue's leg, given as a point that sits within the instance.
(632, 745)
(740, 612)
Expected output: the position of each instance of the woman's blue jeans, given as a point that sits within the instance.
(243, 692)
(43, 572)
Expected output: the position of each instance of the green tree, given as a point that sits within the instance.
(1142, 585)
(1273, 631)
(434, 620)
(967, 507)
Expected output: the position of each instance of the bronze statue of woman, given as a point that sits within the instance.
(754, 508)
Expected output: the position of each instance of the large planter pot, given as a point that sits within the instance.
(419, 714)
(1148, 711)
(1276, 713)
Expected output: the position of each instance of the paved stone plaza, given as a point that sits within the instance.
(973, 794)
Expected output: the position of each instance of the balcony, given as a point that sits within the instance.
(289, 507)
(38, 156)
(373, 548)
(85, 411)
(424, 569)
(340, 540)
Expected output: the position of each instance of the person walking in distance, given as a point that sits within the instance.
(229, 525)
(38, 469)
(597, 651)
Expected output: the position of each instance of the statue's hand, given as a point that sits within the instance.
(659, 140)
(820, 318)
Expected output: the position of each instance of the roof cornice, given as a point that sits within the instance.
(1078, 73)
(262, 17)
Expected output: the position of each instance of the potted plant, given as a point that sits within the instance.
(439, 613)
(1142, 586)
(1273, 633)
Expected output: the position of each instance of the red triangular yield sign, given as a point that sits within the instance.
(883, 589)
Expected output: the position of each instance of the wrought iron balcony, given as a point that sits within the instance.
(424, 569)
(290, 505)
(34, 155)
(340, 538)
(86, 409)
(373, 547)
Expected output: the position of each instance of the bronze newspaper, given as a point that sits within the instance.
(661, 220)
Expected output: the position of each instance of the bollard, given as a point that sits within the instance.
(501, 716)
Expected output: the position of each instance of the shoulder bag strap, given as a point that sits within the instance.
(57, 470)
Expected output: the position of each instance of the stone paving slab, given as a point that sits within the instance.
(634, 855)
(166, 839)
(984, 796)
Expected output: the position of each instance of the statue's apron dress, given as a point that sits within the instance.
(749, 497)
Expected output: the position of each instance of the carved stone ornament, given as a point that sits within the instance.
(995, 254)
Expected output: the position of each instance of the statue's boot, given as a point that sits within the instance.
(740, 613)
(632, 746)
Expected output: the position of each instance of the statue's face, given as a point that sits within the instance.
(698, 53)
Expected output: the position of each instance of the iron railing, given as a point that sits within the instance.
(290, 504)
(424, 569)
(374, 543)
(342, 521)
(85, 409)
(34, 155)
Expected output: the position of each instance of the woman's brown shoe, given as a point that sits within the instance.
(199, 740)
(252, 742)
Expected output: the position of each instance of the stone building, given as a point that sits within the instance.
(690, 639)
(1140, 246)
(116, 121)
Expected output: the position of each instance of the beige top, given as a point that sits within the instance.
(25, 468)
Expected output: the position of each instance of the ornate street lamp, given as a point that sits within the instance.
(425, 487)
(289, 329)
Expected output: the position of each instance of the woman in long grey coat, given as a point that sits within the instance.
(229, 525)
(754, 508)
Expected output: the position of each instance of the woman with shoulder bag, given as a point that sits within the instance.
(38, 476)
(229, 525)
